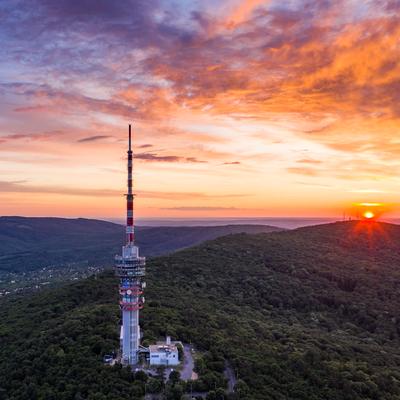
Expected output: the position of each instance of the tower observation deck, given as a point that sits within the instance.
(130, 268)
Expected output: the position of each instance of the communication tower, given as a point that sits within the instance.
(130, 268)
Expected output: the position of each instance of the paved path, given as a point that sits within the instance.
(188, 364)
(230, 376)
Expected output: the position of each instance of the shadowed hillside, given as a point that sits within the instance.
(31, 243)
(309, 314)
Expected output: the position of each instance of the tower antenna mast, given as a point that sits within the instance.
(130, 233)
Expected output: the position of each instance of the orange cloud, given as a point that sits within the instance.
(303, 171)
(242, 12)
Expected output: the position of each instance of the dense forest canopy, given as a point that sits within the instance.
(307, 314)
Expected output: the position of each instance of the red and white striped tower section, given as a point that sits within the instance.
(130, 268)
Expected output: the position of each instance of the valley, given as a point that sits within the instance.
(35, 252)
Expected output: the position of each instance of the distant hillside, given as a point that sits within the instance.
(30, 243)
(309, 314)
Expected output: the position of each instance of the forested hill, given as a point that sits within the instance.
(309, 314)
(31, 243)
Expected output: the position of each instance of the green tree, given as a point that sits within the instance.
(174, 377)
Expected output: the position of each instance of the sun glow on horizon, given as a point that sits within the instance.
(369, 215)
(370, 211)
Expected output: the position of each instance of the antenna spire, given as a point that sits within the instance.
(130, 138)
(129, 197)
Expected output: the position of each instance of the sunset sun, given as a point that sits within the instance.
(368, 215)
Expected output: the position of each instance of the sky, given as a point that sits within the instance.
(239, 108)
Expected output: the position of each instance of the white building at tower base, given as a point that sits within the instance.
(164, 353)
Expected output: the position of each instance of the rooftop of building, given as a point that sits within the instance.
(162, 347)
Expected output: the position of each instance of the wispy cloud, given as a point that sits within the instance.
(30, 137)
(153, 157)
(232, 163)
(199, 208)
(367, 191)
(303, 171)
(308, 161)
(93, 138)
(23, 187)
(188, 195)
